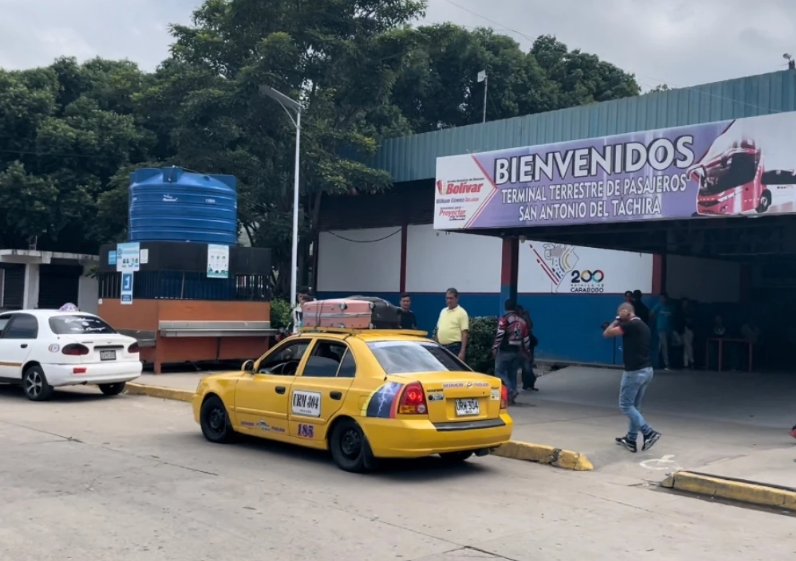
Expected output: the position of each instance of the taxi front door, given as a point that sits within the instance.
(262, 398)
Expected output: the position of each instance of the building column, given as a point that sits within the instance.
(30, 298)
(658, 274)
(509, 271)
(404, 243)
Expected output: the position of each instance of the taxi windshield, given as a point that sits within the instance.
(413, 357)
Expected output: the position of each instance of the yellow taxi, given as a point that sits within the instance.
(362, 395)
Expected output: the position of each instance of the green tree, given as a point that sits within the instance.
(340, 58)
(64, 132)
(439, 87)
(581, 78)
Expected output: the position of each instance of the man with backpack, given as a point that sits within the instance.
(512, 348)
(528, 375)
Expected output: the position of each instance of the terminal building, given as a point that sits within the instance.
(688, 192)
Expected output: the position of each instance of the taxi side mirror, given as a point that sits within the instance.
(248, 366)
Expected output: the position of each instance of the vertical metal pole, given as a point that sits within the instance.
(294, 255)
(486, 88)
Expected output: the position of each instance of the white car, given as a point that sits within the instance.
(46, 349)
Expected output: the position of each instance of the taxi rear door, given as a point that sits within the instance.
(319, 390)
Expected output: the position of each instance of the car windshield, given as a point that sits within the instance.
(413, 357)
(76, 325)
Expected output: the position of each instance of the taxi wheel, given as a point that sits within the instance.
(214, 421)
(350, 448)
(455, 457)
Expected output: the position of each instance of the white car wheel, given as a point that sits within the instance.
(35, 384)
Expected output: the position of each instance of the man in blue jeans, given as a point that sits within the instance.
(512, 347)
(637, 376)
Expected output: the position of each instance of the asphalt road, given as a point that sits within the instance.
(86, 477)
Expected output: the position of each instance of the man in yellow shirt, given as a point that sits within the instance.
(453, 325)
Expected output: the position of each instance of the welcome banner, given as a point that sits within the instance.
(727, 168)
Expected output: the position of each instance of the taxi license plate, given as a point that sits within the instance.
(107, 355)
(466, 407)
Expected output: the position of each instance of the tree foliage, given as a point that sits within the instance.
(71, 133)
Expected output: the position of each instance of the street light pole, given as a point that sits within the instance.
(482, 77)
(287, 104)
(294, 249)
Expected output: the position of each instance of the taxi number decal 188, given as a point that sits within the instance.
(307, 404)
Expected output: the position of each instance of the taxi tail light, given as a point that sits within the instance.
(504, 397)
(75, 349)
(133, 349)
(413, 400)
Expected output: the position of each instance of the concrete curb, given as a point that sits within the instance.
(514, 449)
(159, 391)
(543, 454)
(732, 489)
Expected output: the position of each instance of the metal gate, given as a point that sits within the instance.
(13, 296)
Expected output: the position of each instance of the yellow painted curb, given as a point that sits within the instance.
(543, 454)
(159, 391)
(732, 489)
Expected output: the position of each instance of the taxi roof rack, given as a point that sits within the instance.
(347, 331)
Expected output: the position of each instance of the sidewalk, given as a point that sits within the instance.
(737, 428)
(726, 424)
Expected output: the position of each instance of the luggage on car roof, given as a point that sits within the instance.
(354, 312)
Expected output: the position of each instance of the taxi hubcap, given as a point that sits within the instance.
(216, 420)
(351, 443)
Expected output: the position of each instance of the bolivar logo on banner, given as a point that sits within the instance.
(727, 168)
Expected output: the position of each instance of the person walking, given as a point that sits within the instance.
(636, 377)
(685, 327)
(629, 296)
(453, 325)
(408, 319)
(304, 295)
(512, 347)
(662, 314)
(641, 309)
(528, 375)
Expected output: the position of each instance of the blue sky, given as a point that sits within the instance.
(674, 41)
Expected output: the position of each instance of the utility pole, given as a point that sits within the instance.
(482, 77)
(288, 104)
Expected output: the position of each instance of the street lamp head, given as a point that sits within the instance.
(281, 98)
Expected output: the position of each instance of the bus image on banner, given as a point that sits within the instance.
(731, 182)
(733, 179)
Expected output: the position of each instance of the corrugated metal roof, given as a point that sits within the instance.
(414, 157)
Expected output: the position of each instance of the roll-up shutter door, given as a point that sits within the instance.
(13, 286)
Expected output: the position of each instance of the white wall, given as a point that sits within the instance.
(436, 261)
(88, 293)
(367, 260)
(704, 280)
(31, 295)
(556, 268)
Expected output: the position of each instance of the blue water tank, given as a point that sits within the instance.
(171, 204)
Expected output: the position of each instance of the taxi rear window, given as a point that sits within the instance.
(412, 357)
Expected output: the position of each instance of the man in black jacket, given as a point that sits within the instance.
(408, 319)
(528, 375)
(641, 309)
